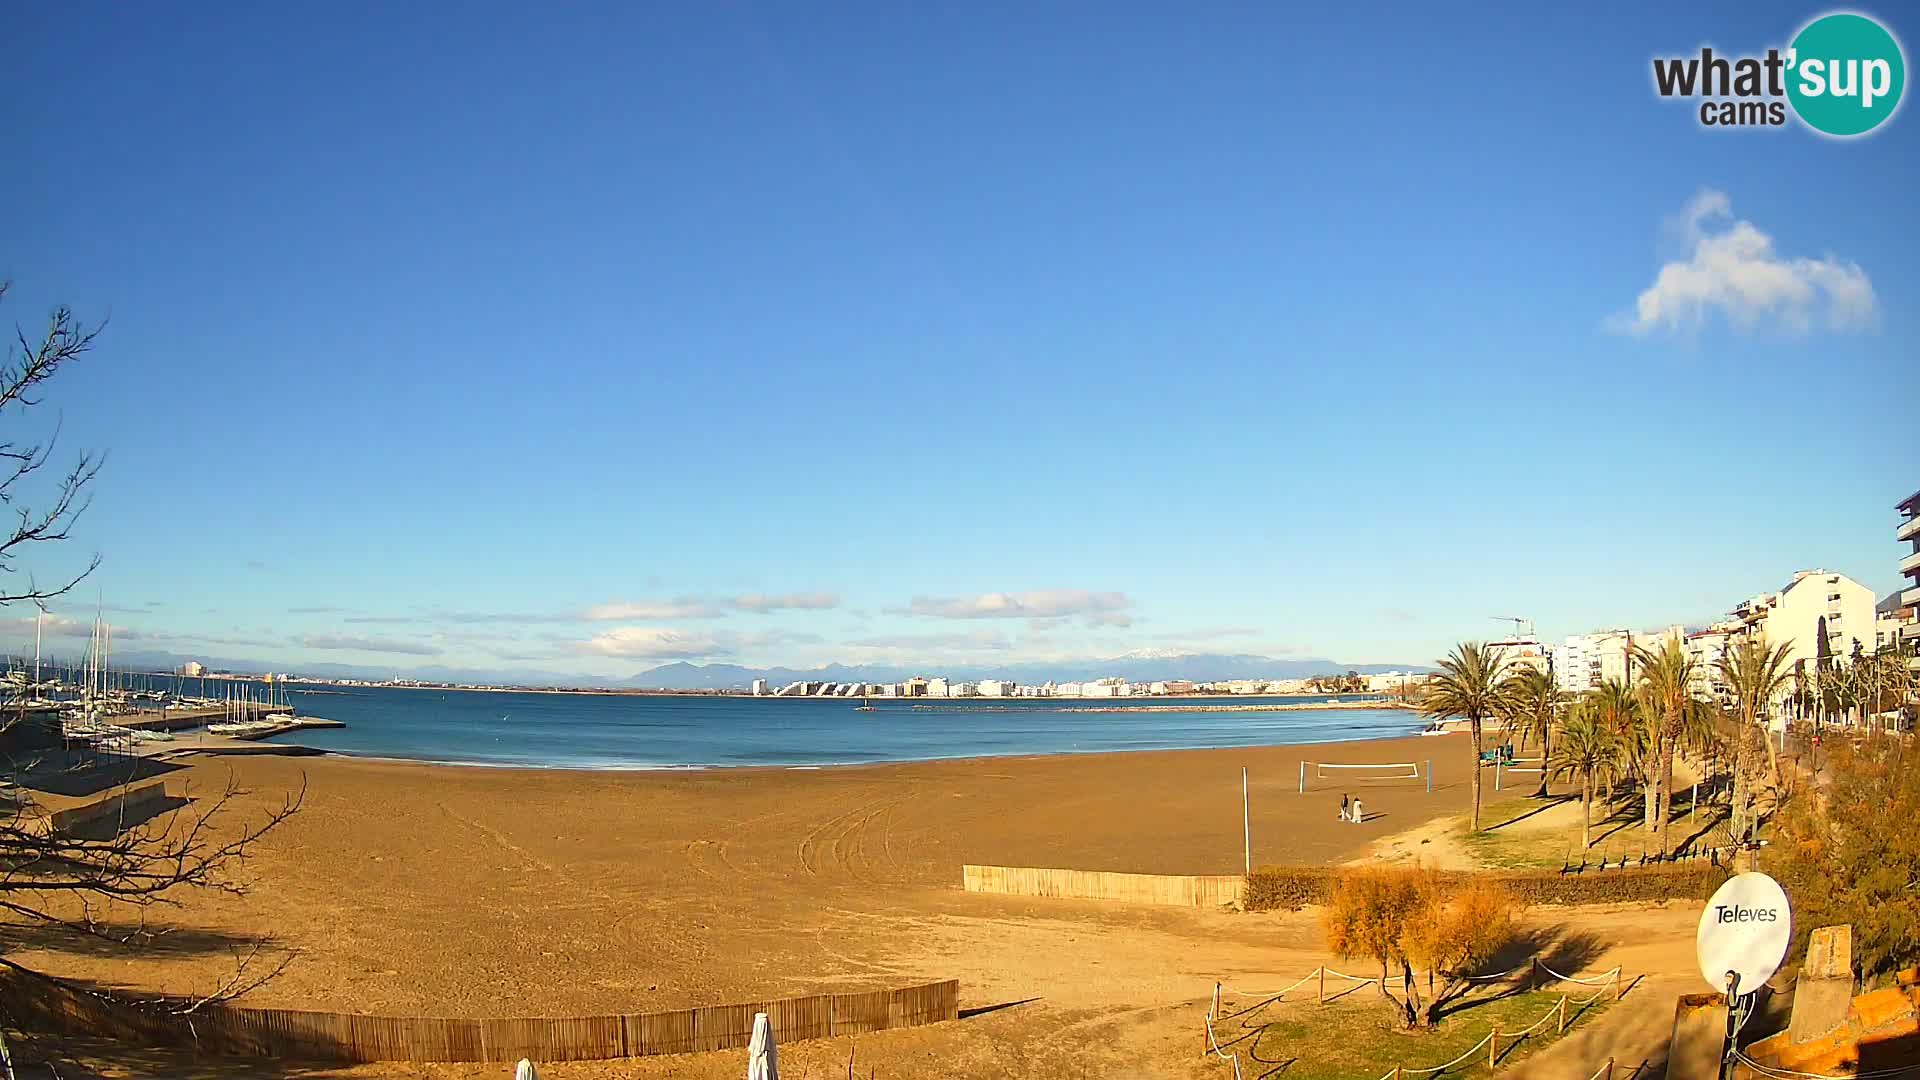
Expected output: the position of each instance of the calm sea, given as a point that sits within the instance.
(629, 732)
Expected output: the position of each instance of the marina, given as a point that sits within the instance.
(95, 710)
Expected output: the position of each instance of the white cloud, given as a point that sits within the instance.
(357, 643)
(1731, 268)
(818, 601)
(652, 643)
(682, 608)
(1097, 608)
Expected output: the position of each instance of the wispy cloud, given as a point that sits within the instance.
(1094, 608)
(653, 643)
(321, 610)
(813, 601)
(356, 643)
(1731, 268)
(681, 608)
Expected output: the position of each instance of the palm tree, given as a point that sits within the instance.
(1666, 679)
(1616, 709)
(1757, 676)
(1587, 751)
(1535, 704)
(1472, 683)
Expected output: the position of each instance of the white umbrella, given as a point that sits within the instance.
(762, 1060)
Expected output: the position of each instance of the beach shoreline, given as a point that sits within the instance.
(643, 768)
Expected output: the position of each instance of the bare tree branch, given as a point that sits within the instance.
(30, 362)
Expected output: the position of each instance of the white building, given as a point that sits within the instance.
(1522, 652)
(1387, 681)
(996, 687)
(1907, 607)
(1814, 602)
(193, 669)
(1888, 623)
(937, 687)
(1587, 661)
(759, 687)
(1706, 648)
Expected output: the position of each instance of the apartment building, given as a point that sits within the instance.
(1816, 605)
(1585, 661)
(1908, 606)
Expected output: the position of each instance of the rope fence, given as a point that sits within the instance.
(1534, 969)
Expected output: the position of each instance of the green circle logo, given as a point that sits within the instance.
(1845, 75)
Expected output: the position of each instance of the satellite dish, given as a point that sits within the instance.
(1744, 933)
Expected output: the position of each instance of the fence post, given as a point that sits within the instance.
(1533, 974)
(1609, 1069)
(1560, 1028)
(1493, 1046)
(1323, 984)
(1303, 776)
(1429, 776)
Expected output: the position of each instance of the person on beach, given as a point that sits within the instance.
(1346, 805)
(1358, 816)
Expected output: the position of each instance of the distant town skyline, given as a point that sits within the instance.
(697, 334)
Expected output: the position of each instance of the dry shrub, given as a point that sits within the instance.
(1407, 917)
(1290, 888)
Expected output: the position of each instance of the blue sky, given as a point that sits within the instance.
(505, 339)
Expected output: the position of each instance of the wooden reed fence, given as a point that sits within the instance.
(1188, 890)
(37, 1002)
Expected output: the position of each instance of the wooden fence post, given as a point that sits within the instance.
(1609, 1069)
(1493, 1046)
(1323, 984)
(1561, 1026)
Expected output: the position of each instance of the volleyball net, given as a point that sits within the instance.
(1327, 775)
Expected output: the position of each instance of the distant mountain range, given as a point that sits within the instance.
(1142, 666)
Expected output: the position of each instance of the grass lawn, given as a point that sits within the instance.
(1359, 1038)
(1511, 838)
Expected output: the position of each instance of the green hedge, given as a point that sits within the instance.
(1273, 888)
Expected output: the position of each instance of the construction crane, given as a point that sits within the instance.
(1522, 628)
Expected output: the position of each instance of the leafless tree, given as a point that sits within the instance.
(31, 361)
(100, 882)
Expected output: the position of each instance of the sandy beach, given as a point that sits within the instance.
(437, 890)
(474, 891)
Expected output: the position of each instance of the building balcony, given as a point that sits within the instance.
(1909, 528)
(1911, 564)
(1910, 598)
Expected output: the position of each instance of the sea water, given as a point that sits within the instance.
(625, 731)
